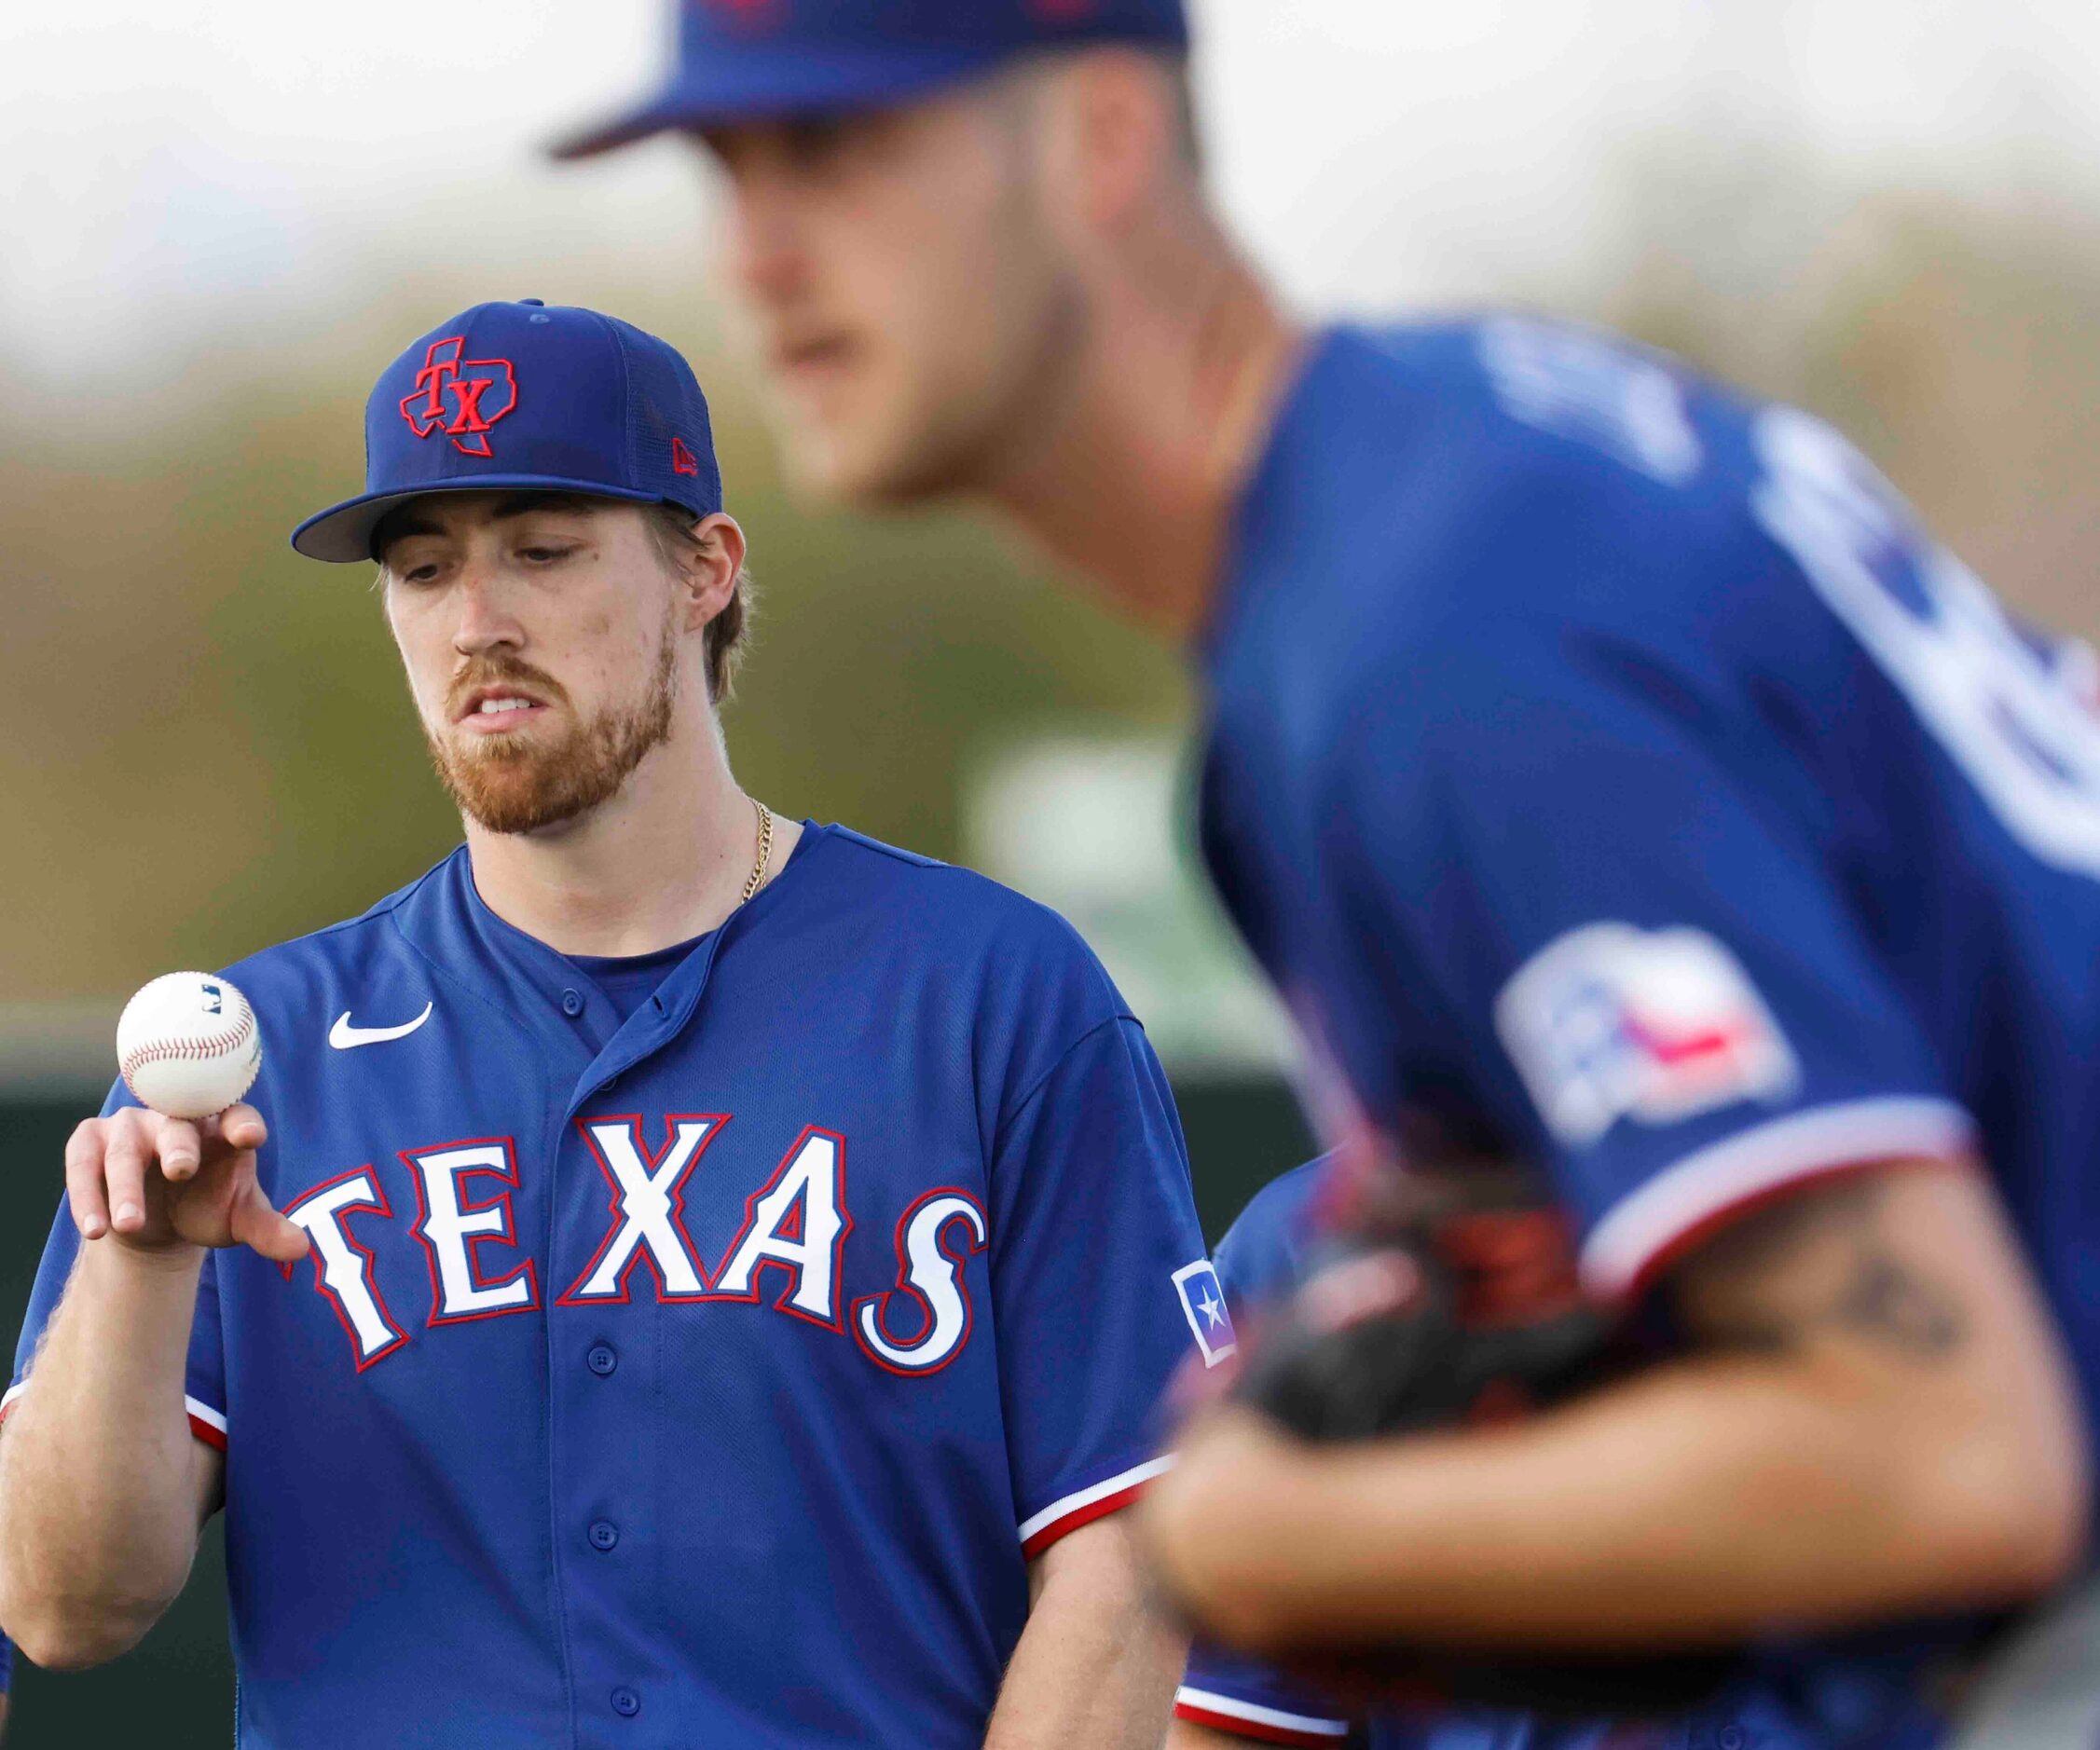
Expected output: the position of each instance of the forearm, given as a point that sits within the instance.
(1608, 1524)
(1096, 1666)
(99, 1475)
(1887, 1431)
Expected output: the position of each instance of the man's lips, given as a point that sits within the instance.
(497, 710)
(814, 356)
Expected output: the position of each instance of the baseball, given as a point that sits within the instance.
(187, 1045)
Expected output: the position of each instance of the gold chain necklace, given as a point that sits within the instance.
(765, 852)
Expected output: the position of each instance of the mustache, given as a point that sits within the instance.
(502, 670)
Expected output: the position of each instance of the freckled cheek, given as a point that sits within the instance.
(425, 654)
(599, 661)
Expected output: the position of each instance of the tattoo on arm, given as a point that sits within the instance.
(1819, 1264)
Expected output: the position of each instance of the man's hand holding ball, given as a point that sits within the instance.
(180, 1173)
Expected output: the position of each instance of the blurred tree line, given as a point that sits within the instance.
(205, 748)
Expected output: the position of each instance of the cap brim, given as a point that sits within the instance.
(343, 534)
(767, 83)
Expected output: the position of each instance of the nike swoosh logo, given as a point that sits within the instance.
(345, 1037)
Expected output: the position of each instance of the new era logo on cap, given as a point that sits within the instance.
(461, 398)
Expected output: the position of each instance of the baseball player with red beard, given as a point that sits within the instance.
(684, 1275)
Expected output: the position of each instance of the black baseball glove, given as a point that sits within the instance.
(1455, 1303)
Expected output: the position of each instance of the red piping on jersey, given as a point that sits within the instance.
(1079, 1516)
(754, 1295)
(527, 1272)
(634, 1123)
(1262, 1733)
(906, 1286)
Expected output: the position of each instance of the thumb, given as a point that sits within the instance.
(254, 1223)
(238, 1127)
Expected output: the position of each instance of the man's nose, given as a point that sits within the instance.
(487, 619)
(763, 242)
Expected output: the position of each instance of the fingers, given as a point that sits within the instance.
(108, 1164)
(238, 1127)
(181, 1149)
(257, 1224)
(125, 1148)
(84, 1180)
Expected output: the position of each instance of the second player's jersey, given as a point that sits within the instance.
(1613, 773)
(703, 1378)
(1259, 1261)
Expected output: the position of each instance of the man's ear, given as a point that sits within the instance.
(712, 564)
(1109, 133)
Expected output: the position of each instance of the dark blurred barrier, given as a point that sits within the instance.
(1241, 1136)
(176, 1690)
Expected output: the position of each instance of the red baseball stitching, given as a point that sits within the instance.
(210, 1045)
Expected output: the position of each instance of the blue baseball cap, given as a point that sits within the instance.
(522, 397)
(751, 60)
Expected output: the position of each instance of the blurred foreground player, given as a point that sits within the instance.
(1610, 773)
(745, 1257)
(1228, 1699)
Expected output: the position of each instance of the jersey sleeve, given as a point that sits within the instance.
(1593, 884)
(1243, 1699)
(204, 1379)
(1099, 1280)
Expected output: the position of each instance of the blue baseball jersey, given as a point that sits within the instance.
(702, 1367)
(1259, 1259)
(1612, 773)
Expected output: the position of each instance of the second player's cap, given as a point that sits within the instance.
(532, 399)
(751, 60)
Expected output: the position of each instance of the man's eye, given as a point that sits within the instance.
(545, 555)
(817, 143)
(419, 574)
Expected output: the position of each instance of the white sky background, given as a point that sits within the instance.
(176, 173)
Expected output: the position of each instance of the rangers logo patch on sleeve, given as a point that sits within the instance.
(1611, 1022)
(1202, 1300)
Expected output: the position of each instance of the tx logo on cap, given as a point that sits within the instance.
(463, 399)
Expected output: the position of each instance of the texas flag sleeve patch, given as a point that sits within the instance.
(1611, 1023)
(1203, 1301)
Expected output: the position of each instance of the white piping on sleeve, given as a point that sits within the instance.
(1231, 1707)
(1709, 1182)
(1084, 1497)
